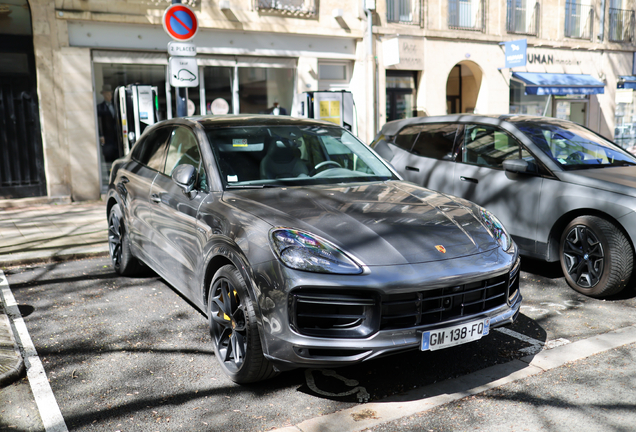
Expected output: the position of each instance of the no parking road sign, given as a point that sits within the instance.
(180, 22)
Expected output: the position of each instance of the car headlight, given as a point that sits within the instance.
(301, 250)
(496, 228)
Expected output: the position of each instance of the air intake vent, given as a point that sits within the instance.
(331, 314)
(443, 304)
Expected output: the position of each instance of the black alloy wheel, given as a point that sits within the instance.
(123, 261)
(114, 238)
(596, 257)
(233, 329)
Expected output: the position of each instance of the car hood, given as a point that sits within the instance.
(620, 180)
(379, 223)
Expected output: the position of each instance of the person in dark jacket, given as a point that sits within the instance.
(107, 127)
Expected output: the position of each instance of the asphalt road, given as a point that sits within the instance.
(131, 354)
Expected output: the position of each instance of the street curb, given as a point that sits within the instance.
(30, 258)
(373, 414)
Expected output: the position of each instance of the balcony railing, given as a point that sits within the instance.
(523, 17)
(403, 11)
(621, 25)
(579, 20)
(466, 15)
(292, 7)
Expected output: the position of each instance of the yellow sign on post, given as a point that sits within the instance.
(330, 111)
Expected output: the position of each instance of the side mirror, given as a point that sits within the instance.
(515, 165)
(185, 176)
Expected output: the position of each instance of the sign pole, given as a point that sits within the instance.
(182, 92)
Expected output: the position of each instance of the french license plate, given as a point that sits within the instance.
(457, 335)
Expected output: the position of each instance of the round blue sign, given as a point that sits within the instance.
(180, 22)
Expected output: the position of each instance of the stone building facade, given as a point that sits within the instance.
(423, 57)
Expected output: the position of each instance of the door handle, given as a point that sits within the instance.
(155, 198)
(410, 168)
(469, 179)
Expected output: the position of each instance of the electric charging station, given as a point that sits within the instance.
(333, 106)
(136, 107)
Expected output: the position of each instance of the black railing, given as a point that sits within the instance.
(621, 25)
(295, 7)
(466, 15)
(579, 20)
(403, 11)
(523, 17)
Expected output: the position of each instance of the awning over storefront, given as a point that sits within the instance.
(559, 84)
(626, 82)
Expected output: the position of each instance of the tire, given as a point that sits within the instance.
(233, 329)
(596, 257)
(123, 261)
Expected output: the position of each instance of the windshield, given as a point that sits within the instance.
(573, 147)
(262, 156)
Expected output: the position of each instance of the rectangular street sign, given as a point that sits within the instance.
(183, 71)
(182, 49)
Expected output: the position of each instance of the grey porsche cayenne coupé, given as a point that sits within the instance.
(303, 247)
(564, 192)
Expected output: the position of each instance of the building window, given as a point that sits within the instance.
(292, 7)
(403, 11)
(579, 19)
(621, 23)
(523, 17)
(466, 15)
(332, 71)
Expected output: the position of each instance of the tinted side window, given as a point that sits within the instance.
(435, 141)
(151, 151)
(406, 139)
(183, 149)
(488, 146)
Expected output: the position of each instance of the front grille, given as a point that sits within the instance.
(357, 314)
(443, 304)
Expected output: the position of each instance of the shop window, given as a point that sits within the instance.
(109, 76)
(262, 90)
(218, 89)
(400, 95)
(625, 119)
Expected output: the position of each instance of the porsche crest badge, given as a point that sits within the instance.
(440, 248)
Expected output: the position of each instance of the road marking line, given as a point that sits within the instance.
(44, 398)
(535, 344)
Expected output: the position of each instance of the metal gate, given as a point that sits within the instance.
(21, 156)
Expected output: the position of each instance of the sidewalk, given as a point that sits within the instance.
(40, 234)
